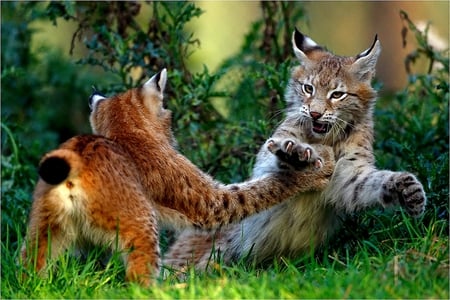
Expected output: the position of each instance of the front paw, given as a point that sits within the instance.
(292, 153)
(408, 191)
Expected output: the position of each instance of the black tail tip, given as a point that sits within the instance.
(54, 170)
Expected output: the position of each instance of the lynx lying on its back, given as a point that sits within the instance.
(329, 101)
(112, 189)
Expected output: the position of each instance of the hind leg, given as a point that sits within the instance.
(44, 241)
(140, 243)
(199, 249)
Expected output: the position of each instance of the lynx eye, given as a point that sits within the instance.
(336, 95)
(307, 89)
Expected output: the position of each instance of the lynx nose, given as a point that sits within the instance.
(315, 115)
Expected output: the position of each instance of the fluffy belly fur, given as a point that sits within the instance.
(289, 228)
(285, 230)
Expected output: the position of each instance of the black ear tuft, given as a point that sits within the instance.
(298, 38)
(157, 77)
(54, 170)
(94, 93)
(304, 43)
(374, 42)
(370, 49)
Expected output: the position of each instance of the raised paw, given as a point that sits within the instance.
(294, 154)
(408, 191)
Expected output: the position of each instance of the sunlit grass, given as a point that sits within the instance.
(409, 267)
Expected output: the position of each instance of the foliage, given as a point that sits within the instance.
(412, 129)
(44, 99)
(118, 43)
(220, 121)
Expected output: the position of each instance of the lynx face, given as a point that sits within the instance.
(327, 94)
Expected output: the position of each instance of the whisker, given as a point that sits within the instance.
(276, 113)
(345, 122)
(338, 130)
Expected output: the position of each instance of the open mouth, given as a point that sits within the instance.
(321, 128)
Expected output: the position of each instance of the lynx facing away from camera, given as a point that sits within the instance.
(329, 101)
(113, 187)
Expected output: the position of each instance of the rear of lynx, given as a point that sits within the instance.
(329, 102)
(90, 191)
(114, 187)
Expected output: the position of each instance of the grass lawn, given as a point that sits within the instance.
(410, 267)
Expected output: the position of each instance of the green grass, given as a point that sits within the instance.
(409, 267)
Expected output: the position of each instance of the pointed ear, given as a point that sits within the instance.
(95, 97)
(157, 83)
(365, 62)
(302, 45)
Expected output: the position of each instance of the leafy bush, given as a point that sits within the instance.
(44, 102)
(412, 128)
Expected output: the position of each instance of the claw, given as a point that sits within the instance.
(308, 154)
(270, 144)
(318, 164)
(289, 147)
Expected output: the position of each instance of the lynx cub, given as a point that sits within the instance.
(329, 101)
(112, 188)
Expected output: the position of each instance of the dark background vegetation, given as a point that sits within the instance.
(44, 100)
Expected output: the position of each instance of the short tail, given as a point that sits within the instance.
(56, 166)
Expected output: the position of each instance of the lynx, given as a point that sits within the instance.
(330, 101)
(112, 187)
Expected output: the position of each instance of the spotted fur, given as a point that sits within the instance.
(330, 101)
(113, 187)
